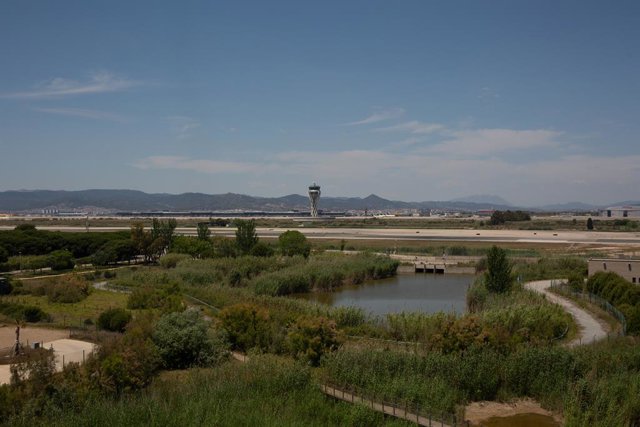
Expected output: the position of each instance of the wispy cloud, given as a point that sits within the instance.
(379, 116)
(199, 165)
(183, 125)
(487, 93)
(59, 87)
(83, 113)
(413, 127)
(490, 141)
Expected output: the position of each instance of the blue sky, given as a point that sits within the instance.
(535, 101)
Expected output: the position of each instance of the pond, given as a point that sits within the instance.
(429, 293)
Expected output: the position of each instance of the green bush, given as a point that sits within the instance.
(115, 320)
(27, 313)
(183, 341)
(68, 289)
(311, 338)
(293, 242)
(171, 260)
(247, 326)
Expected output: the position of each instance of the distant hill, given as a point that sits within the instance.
(570, 207)
(131, 200)
(483, 199)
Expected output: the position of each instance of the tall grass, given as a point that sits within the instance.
(596, 385)
(267, 391)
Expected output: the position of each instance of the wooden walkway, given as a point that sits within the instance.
(385, 408)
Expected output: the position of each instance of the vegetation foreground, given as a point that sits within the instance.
(165, 338)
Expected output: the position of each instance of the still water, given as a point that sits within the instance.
(428, 293)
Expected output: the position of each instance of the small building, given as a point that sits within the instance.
(627, 268)
(621, 212)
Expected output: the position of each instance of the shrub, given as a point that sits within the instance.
(293, 242)
(171, 260)
(247, 326)
(115, 320)
(183, 341)
(310, 338)
(5, 286)
(68, 290)
(261, 249)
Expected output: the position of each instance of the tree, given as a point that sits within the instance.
(498, 275)
(203, 231)
(61, 260)
(293, 242)
(589, 224)
(246, 237)
(183, 341)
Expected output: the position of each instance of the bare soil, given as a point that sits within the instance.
(478, 412)
(28, 334)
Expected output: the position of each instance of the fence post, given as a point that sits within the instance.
(83, 356)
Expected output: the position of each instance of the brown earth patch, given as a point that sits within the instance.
(28, 334)
(477, 412)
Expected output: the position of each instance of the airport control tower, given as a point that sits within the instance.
(314, 198)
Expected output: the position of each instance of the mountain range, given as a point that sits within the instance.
(132, 200)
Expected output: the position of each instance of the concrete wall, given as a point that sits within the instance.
(627, 268)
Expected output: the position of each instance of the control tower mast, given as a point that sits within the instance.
(314, 198)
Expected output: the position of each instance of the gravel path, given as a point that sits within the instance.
(590, 329)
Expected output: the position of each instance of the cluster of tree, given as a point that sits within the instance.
(500, 217)
(290, 243)
(153, 243)
(624, 295)
(25, 239)
(123, 363)
(23, 313)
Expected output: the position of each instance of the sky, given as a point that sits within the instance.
(533, 101)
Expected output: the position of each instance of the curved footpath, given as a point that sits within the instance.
(590, 329)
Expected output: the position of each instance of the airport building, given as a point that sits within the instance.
(627, 268)
(621, 212)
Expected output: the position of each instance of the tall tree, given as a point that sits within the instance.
(203, 231)
(589, 224)
(498, 275)
(246, 237)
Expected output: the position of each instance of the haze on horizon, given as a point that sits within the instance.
(534, 101)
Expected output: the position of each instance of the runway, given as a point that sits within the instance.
(419, 234)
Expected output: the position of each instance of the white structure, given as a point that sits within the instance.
(621, 212)
(314, 198)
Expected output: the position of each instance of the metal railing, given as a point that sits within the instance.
(407, 411)
(563, 288)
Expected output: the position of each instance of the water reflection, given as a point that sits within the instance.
(428, 293)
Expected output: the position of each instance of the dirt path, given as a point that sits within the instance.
(590, 329)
